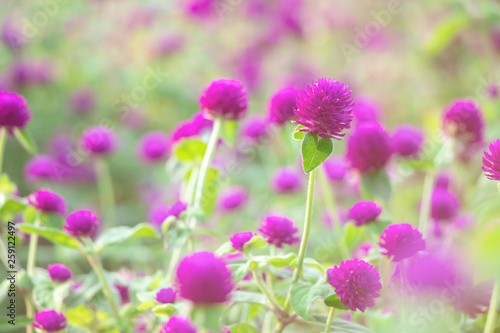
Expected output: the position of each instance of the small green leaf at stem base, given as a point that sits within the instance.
(315, 150)
(333, 300)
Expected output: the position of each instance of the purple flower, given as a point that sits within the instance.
(255, 129)
(444, 204)
(443, 180)
(124, 293)
(356, 282)
(365, 110)
(335, 168)
(41, 167)
(401, 241)
(82, 100)
(158, 214)
(324, 108)
(82, 223)
(279, 230)
(59, 272)
(177, 209)
(12, 36)
(463, 120)
(154, 147)
(224, 98)
(407, 141)
(50, 321)
(368, 147)
(165, 296)
(491, 161)
(14, 111)
(281, 106)
(98, 140)
(203, 278)
(47, 202)
(190, 128)
(431, 271)
(232, 198)
(239, 240)
(178, 325)
(167, 45)
(200, 9)
(24, 73)
(364, 212)
(287, 180)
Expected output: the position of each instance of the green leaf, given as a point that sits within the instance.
(167, 223)
(342, 326)
(207, 317)
(255, 243)
(11, 207)
(121, 234)
(165, 310)
(298, 135)
(20, 323)
(249, 297)
(446, 31)
(225, 248)
(43, 295)
(54, 235)
(304, 295)
(29, 215)
(229, 131)
(239, 271)
(376, 185)
(315, 150)
(145, 306)
(282, 261)
(177, 237)
(146, 296)
(210, 191)
(6, 186)
(333, 301)
(242, 328)
(352, 235)
(79, 316)
(190, 150)
(25, 140)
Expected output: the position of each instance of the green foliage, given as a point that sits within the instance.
(333, 300)
(26, 140)
(315, 150)
(54, 235)
(190, 150)
(376, 185)
(122, 234)
(304, 295)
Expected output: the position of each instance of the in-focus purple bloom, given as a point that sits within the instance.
(255, 129)
(368, 147)
(42, 168)
(407, 141)
(279, 230)
(365, 110)
(232, 198)
(47, 202)
(224, 98)
(356, 282)
(165, 296)
(463, 120)
(178, 325)
(50, 321)
(82, 223)
(14, 111)
(444, 205)
(401, 241)
(154, 146)
(203, 278)
(82, 100)
(98, 140)
(335, 168)
(239, 240)
(287, 180)
(280, 109)
(59, 272)
(364, 212)
(491, 161)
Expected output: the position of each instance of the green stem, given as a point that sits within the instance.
(493, 309)
(3, 139)
(106, 193)
(264, 290)
(29, 312)
(425, 208)
(32, 248)
(4, 254)
(329, 320)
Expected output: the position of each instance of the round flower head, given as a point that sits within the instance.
(192, 127)
(153, 147)
(443, 180)
(158, 214)
(255, 129)
(14, 111)
(281, 107)
(50, 321)
(165, 296)
(41, 167)
(364, 212)
(287, 180)
(239, 240)
(279, 230)
(365, 110)
(82, 101)
(203, 278)
(12, 36)
(47, 202)
(356, 282)
(124, 293)
(82, 223)
(401, 241)
(335, 169)
(430, 271)
(491, 161)
(224, 98)
(232, 198)
(463, 120)
(98, 140)
(59, 272)
(407, 141)
(177, 209)
(324, 108)
(178, 325)
(368, 147)
(444, 205)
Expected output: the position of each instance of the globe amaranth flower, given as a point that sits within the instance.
(12, 35)
(82, 101)
(365, 110)
(279, 230)
(165, 296)
(255, 129)
(232, 198)
(239, 240)
(364, 212)
(82, 223)
(401, 241)
(335, 169)
(98, 140)
(463, 120)
(59, 272)
(177, 209)
(24, 73)
(356, 282)
(178, 325)
(444, 205)
(224, 98)
(154, 147)
(368, 147)
(47, 202)
(431, 272)
(287, 180)
(443, 180)
(158, 214)
(491, 161)
(42, 167)
(50, 321)
(280, 109)
(14, 111)
(124, 293)
(407, 141)
(324, 108)
(203, 278)
(193, 127)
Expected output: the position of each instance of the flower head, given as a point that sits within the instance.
(239, 240)
(325, 108)
(82, 100)
(232, 198)
(178, 325)
(401, 241)
(279, 230)
(82, 223)
(177, 209)
(14, 111)
(364, 212)
(98, 140)
(154, 147)
(281, 106)
(255, 129)
(356, 282)
(444, 204)
(365, 110)
(224, 98)
(287, 180)
(50, 321)
(335, 168)
(41, 167)
(124, 293)
(491, 161)
(190, 128)
(12, 36)
(407, 141)
(165, 296)
(59, 272)
(463, 120)
(203, 278)
(47, 202)
(158, 214)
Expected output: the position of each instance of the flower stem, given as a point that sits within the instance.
(492, 311)
(264, 290)
(106, 193)
(32, 248)
(3, 139)
(329, 320)
(425, 206)
(29, 312)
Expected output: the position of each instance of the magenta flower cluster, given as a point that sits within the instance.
(401, 241)
(279, 230)
(224, 98)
